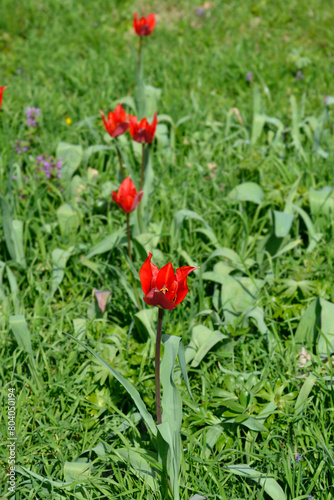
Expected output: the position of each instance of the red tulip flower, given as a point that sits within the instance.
(127, 197)
(164, 288)
(145, 25)
(143, 131)
(117, 122)
(1, 91)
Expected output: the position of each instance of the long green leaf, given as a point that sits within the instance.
(171, 411)
(126, 384)
(21, 332)
(270, 486)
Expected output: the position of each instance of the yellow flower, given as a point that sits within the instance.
(68, 121)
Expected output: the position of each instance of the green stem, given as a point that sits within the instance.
(157, 366)
(141, 185)
(130, 258)
(139, 52)
(120, 159)
(142, 167)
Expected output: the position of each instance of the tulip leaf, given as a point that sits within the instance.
(68, 220)
(91, 150)
(202, 340)
(59, 259)
(21, 332)
(283, 222)
(304, 394)
(76, 471)
(270, 485)
(106, 244)
(143, 462)
(171, 404)
(71, 156)
(127, 386)
(322, 201)
(326, 337)
(13, 231)
(239, 296)
(248, 191)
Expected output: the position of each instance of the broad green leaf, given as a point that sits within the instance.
(171, 404)
(283, 222)
(106, 244)
(127, 386)
(248, 191)
(76, 471)
(326, 338)
(239, 296)
(212, 435)
(94, 149)
(270, 485)
(71, 156)
(59, 259)
(68, 220)
(183, 215)
(313, 236)
(309, 325)
(202, 340)
(258, 314)
(13, 231)
(183, 366)
(322, 201)
(152, 97)
(141, 461)
(21, 332)
(304, 394)
(17, 233)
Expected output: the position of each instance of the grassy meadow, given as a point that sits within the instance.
(239, 182)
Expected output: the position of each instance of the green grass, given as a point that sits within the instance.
(79, 57)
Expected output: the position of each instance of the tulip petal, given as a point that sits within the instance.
(146, 274)
(102, 298)
(137, 200)
(165, 277)
(181, 278)
(157, 298)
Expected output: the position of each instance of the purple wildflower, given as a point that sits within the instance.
(299, 75)
(32, 114)
(298, 458)
(249, 76)
(21, 147)
(19, 71)
(50, 166)
(200, 12)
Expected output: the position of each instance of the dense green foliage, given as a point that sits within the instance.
(241, 185)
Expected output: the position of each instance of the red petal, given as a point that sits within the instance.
(165, 277)
(137, 200)
(145, 274)
(127, 188)
(133, 125)
(150, 20)
(157, 298)
(181, 278)
(120, 129)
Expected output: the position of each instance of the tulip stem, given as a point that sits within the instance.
(139, 52)
(130, 258)
(157, 366)
(142, 167)
(141, 185)
(128, 233)
(120, 159)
